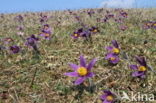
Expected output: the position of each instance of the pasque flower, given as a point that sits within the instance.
(113, 52)
(141, 69)
(14, 49)
(31, 42)
(124, 14)
(108, 97)
(113, 49)
(94, 29)
(148, 25)
(77, 33)
(46, 32)
(82, 71)
(112, 58)
(154, 25)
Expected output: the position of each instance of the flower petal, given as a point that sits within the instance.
(107, 92)
(41, 34)
(79, 80)
(134, 67)
(108, 56)
(115, 44)
(103, 97)
(141, 60)
(71, 74)
(109, 48)
(82, 61)
(91, 64)
(137, 74)
(74, 66)
(115, 61)
(91, 74)
(105, 101)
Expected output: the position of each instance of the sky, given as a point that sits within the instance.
(12, 6)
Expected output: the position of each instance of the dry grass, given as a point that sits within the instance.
(50, 85)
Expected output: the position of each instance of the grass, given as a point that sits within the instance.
(31, 79)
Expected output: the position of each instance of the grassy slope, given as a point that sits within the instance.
(50, 85)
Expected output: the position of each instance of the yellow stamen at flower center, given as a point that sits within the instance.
(82, 71)
(95, 30)
(47, 35)
(155, 24)
(116, 50)
(76, 35)
(109, 98)
(142, 68)
(112, 58)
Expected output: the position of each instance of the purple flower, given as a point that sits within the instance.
(107, 97)
(31, 41)
(90, 13)
(77, 33)
(123, 14)
(154, 25)
(46, 32)
(141, 69)
(112, 58)
(110, 16)
(148, 25)
(94, 29)
(86, 34)
(43, 19)
(14, 49)
(82, 71)
(114, 49)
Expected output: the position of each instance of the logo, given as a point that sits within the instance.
(134, 96)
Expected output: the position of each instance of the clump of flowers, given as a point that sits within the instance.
(14, 49)
(43, 18)
(149, 25)
(114, 49)
(82, 33)
(154, 25)
(77, 33)
(123, 14)
(113, 53)
(46, 32)
(113, 59)
(108, 97)
(91, 12)
(31, 42)
(141, 69)
(82, 71)
(94, 29)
